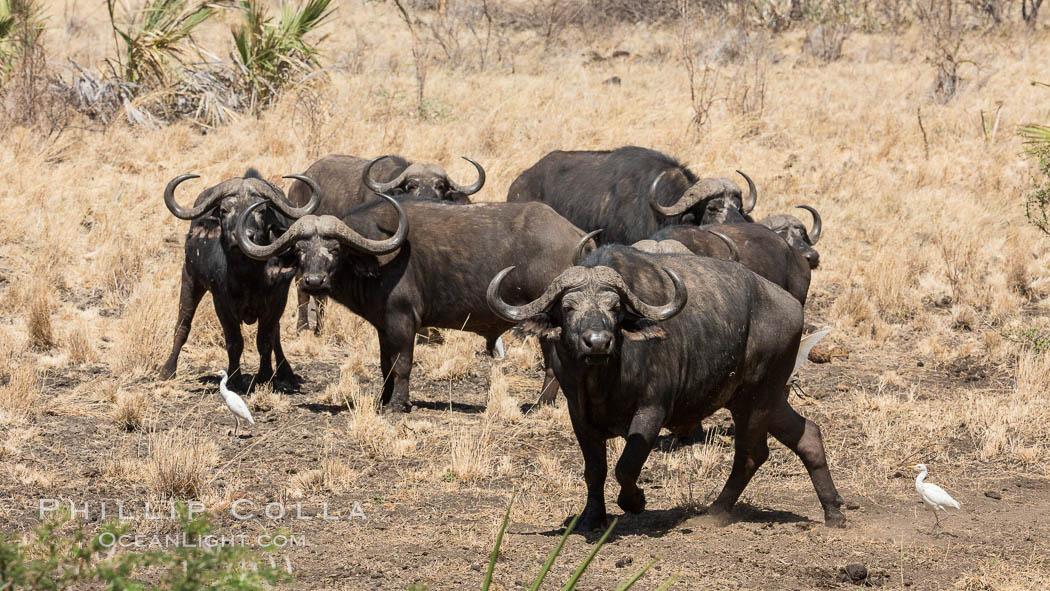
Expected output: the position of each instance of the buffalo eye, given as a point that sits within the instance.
(412, 186)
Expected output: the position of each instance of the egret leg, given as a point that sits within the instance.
(237, 428)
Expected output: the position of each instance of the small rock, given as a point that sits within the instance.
(920, 364)
(825, 354)
(857, 573)
(897, 474)
(615, 81)
(991, 494)
(852, 506)
(625, 561)
(620, 53)
(476, 567)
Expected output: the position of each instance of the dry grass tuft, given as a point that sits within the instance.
(365, 425)
(78, 343)
(501, 406)
(266, 399)
(20, 396)
(129, 411)
(39, 307)
(179, 461)
(331, 476)
(124, 469)
(32, 477)
(454, 358)
(144, 330)
(471, 453)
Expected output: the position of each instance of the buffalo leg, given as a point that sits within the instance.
(396, 343)
(302, 320)
(549, 390)
(264, 341)
(494, 346)
(283, 368)
(645, 426)
(231, 332)
(190, 294)
(802, 436)
(595, 469)
(320, 303)
(751, 452)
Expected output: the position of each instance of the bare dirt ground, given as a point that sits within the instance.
(933, 281)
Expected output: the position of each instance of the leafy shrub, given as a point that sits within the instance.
(155, 38)
(270, 55)
(1037, 202)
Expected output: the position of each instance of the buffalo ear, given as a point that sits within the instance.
(457, 197)
(541, 326)
(642, 329)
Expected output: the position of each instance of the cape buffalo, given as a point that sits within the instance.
(757, 247)
(726, 339)
(794, 232)
(243, 289)
(425, 263)
(348, 181)
(630, 192)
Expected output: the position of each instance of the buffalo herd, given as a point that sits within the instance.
(655, 296)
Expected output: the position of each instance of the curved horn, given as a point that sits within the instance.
(478, 184)
(814, 234)
(343, 233)
(656, 181)
(285, 206)
(577, 253)
(668, 310)
(733, 252)
(193, 212)
(519, 313)
(752, 194)
(375, 186)
(704, 189)
(262, 253)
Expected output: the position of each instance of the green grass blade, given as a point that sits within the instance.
(554, 554)
(630, 582)
(667, 584)
(569, 586)
(495, 550)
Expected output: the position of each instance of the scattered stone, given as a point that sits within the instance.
(897, 474)
(625, 561)
(920, 364)
(855, 573)
(991, 494)
(620, 53)
(852, 506)
(615, 81)
(825, 354)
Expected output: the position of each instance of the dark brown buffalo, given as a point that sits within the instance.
(349, 181)
(757, 247)
(794, 232)
(630, 193)
(243, 289)
(631, 365)
(409, 264)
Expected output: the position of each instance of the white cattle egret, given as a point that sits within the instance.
(804, 347)
(234, 403)
(933, 495)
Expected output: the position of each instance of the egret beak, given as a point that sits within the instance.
(912, 467)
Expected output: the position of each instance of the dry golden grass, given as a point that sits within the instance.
(79, 345)
(39, 307)
(129, 411)
(20, 396)
(143, 341)
(501, 406)
(470, 453)
(179, 463)
(266, 399)
(451, 359)
(33, 478)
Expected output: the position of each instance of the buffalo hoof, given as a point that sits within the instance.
(631, 500)
(240, 383)
(166, 373)
(396, 408)
(591, 520)
(833, 517)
